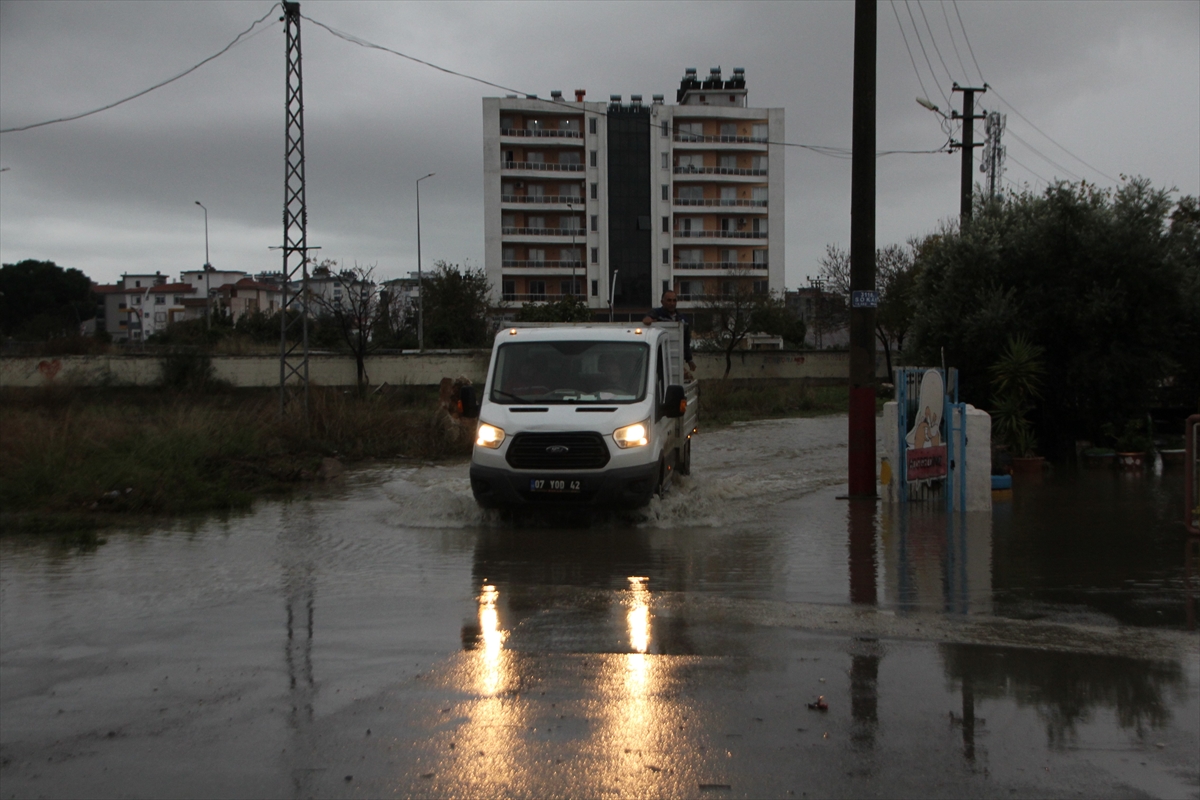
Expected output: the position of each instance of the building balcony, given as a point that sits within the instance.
(543, 199)
(730, 171)
(578, 232)
(540, 133)
(535, 298)
(719, 202)
(696, 137)
(720, 266)
(534, 166)
(526, 264)
(720, 234)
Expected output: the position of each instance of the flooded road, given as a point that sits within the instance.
(389, 638)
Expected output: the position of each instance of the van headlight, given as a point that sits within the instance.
(634, 435)
(489, 436)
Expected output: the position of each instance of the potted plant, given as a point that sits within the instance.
(1016, 384)
(1132, 444)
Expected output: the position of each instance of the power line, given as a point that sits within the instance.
(1027, 169)
(1052, 141)
(1044, 157)
(826, 150)
(967, 39)
(904, 36)
(917, 33)
(933, 41)
(950, 30)
(240, 37)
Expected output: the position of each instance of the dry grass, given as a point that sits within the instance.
(152, 452)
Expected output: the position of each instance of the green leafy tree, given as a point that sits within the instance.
(456, 307)
(571, 308)
(1093, 276)
(40, 300)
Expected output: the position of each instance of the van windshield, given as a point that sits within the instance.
(570, 372)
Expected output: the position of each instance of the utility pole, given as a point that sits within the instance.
(993, 152)
(968, 117)
(207, 270)
(862, 255)
(293, 357)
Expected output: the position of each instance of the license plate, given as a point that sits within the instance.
(555, 485)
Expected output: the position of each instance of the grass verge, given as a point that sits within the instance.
(72, 459)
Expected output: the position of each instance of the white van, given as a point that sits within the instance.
(585, 414)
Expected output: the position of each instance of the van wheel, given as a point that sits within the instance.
(661, 491)
(685, 462)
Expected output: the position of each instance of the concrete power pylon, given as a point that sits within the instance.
(993, 152)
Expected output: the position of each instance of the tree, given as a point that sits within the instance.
(727, 319)
(41, 300)
(571, 308)
(456, 307)
(1095, 277)
(350, 317)
(895, 282)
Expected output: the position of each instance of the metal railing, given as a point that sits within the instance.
(536, 298)
(542, 264)
(680, 234)
(690, 170)
(555, 199)
(740, 266)
(697, 137)
(541, 231)
(723, 202)
(537, 166)
(541, 133)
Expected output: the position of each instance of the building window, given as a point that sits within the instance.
(759, 162)
(595, 288)
(666, 255)
(760, 258)
(760, 131)
(666, 191)
(666, 160)
(666, 224)
(762, 287)
(537, 290)
(573, 286)
(537, 254)
(593, 158)
(666, 127)
(595, 255)
(592, 126)
(160, 300)
(508, 290)
(595, 222)
(727, 162)
(595, 191)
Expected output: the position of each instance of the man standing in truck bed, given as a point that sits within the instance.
(667, 313)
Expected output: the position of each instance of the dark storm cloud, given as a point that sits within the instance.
(1117, 83)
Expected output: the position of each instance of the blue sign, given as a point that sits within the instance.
(864, 299)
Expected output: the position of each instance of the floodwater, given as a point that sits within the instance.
(388, 637)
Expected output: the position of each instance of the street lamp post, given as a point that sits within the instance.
(207, 269)
(420, 279)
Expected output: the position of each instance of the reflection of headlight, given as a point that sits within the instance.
(489, 436)
(632, 435)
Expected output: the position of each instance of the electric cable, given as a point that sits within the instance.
(933, 41)
(239, 38)
(904, 36)
(917, 33)
(1052, 141)
(967, 39)
(826, 150)
(1008, 157)
(950, 30)
(1043, 156)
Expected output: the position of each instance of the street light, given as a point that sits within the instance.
(207, 269)
(420, 280)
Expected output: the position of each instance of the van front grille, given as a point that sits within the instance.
(555, 451)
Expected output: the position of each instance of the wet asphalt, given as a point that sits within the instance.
(749, 636)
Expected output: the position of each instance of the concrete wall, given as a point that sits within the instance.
(425, 369)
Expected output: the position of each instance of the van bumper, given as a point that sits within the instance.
(627, 487)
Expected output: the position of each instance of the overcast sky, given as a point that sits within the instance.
(1115, 83)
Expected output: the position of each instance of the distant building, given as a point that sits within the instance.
(249, 296)
(824, 316)
(135, 289)
(624, 200)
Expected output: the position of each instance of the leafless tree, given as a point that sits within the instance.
(351, 311)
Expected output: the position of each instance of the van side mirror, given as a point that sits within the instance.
(468, 406)
(675, 402)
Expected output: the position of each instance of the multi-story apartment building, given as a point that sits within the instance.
(618, 201)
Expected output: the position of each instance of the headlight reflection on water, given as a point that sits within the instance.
(638, 620)
(492, 656)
